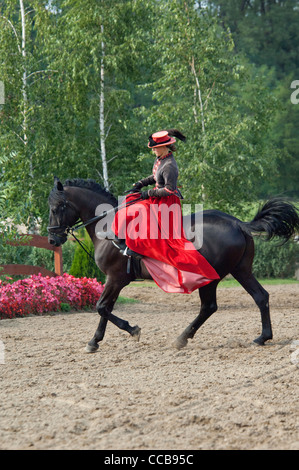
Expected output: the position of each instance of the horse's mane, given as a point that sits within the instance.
(92, 186)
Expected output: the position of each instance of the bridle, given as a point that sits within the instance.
(65, 230)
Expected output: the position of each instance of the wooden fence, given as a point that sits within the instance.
(25, 269)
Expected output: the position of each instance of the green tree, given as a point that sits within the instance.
(71, 85)
(105, 59)
(23, 67)
(213, 95)
(266, 31)
(87, 83)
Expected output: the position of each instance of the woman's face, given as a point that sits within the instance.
(160, 151)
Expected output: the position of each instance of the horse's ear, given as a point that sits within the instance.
(58, 183)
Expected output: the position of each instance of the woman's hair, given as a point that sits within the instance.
(171, 147)
(175, 133)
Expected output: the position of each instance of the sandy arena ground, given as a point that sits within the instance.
(220, 392)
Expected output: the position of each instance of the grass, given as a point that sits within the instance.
(226, 283)
(264, 282)
(126, 300)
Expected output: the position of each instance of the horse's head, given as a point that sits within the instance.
(63, 214)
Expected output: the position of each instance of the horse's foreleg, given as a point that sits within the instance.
(208, 307)
(134, 331)
(92, 346)
(104, 308)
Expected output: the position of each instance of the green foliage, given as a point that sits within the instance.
(274, 261)
(83, 265)
(216, 98)
(22, 69)
(64, 307)
(267, 33)
(266, 30)
(284, 135)
(197, 66)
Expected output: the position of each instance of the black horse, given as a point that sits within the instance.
(227, 245)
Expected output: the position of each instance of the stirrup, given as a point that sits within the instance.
(134, 254)
(125, 252)
(119, 244)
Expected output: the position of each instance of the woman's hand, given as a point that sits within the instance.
(144, 195)
(137, 186)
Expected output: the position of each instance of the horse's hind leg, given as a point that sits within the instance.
(261, 298)
(208, 307)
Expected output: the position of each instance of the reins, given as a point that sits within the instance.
(104, 214)
(82, 244)
(71, 230)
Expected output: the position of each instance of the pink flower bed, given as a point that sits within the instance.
(39, 294)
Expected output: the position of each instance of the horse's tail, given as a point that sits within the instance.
(176, 133)
(276, 217)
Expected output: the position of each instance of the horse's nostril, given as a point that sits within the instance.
(51, 241)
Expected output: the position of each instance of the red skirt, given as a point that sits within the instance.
(154, 228)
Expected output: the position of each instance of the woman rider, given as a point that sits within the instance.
(156, 232)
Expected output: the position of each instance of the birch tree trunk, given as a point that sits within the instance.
(24, 79)
(102, 114)
(197, 92)
(31, 219)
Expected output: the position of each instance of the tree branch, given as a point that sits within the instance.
(14, 30)
(40, 71)
(116, 156)
(206, 102)
(199, 94)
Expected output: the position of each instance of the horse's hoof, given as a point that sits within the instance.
(136, 333)
(91, 348)
(180, 343)
(260, 341)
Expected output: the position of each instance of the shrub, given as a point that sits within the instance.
(83, 264)
(38, 295)
(274, 261)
